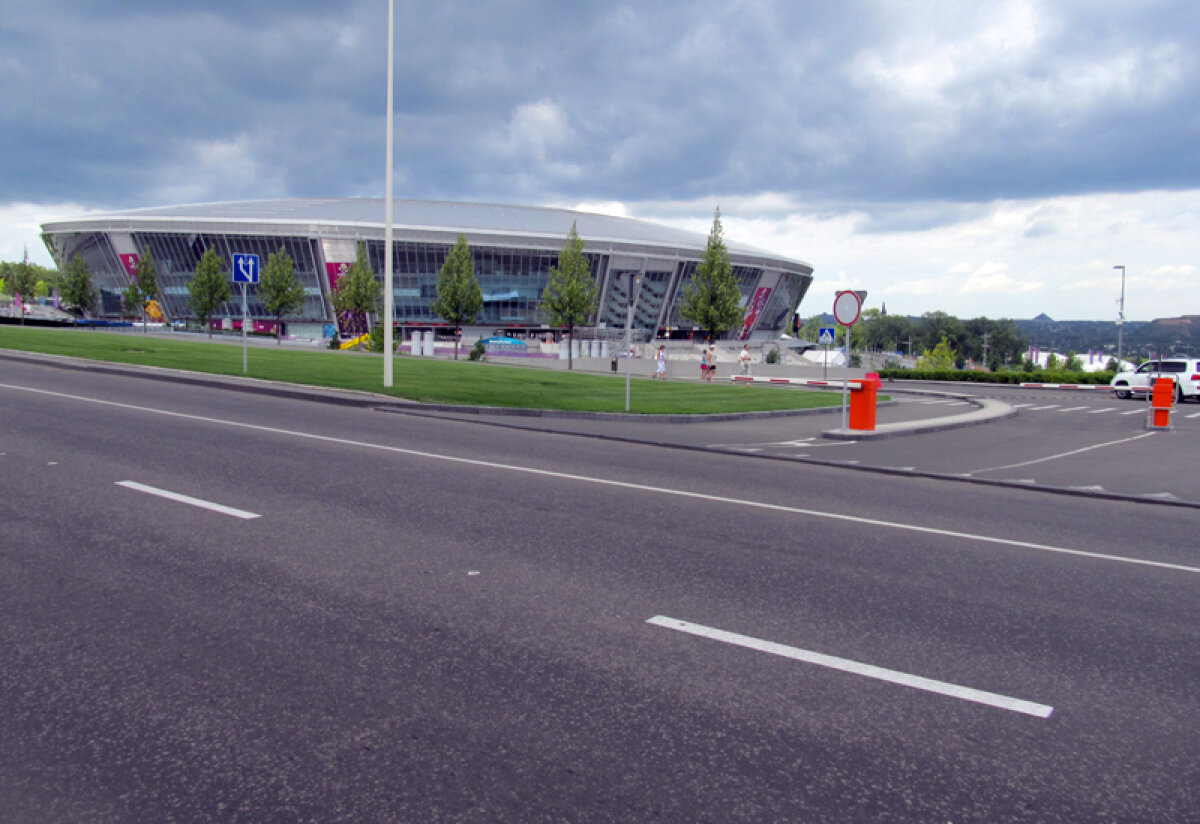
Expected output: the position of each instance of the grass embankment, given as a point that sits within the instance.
(419, 379)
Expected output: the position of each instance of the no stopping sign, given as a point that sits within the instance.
(846, 308)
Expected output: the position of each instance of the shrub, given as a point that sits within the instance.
(477, 351)
(772, 356)
(997, 377)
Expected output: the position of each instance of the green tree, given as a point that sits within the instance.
(280, 291)
(147, 280)
(934, 326)
(1073, 363)
(78, 292)
(878, 331)
(941, 356)
(459, 297)
(358, 293)
(208, 288)
(22, 280)
(131, 301)
(569, 298)
(1052, 362)
(712, 299)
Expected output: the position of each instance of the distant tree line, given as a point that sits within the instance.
(979, 340)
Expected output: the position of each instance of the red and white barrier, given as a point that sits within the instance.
(1064, 386)
(855, 383)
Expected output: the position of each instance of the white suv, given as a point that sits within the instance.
(1184, 371)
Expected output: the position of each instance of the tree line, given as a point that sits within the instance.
(995, 343)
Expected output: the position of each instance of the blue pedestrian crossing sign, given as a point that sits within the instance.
(245, 268)
(825, 335)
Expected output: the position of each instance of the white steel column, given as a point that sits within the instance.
(388, 294)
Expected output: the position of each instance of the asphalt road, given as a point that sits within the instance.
(437, 620)
(1073, 441)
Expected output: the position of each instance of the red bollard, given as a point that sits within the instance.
(1160, 404)
(862, 405)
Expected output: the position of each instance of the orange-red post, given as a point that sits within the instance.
(1161, 402)
(862, 404)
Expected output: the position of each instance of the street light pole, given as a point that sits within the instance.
(388, 296)
(1121, 318)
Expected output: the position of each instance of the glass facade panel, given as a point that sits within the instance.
(650, 297)
(512, 281)
(783, 303)
(108, 273)
(747, 278)
(177, 255)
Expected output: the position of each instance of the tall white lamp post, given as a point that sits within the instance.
(388, 296)
(1120, 317)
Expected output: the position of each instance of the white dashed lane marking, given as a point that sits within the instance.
(820, 659)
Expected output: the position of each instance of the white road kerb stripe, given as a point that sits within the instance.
(187, 499)
(679, 493)
(904, 679)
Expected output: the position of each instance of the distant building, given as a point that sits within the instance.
(513, 248)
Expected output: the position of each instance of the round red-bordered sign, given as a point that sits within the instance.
(846, 308)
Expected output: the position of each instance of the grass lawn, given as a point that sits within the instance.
(419, 379)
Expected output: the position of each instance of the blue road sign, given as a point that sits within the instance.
(826, 335)
(245, 268)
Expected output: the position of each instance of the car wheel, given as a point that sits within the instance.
(1123, 394)
(1178, 393)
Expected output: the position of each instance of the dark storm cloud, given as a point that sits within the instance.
(129, 103)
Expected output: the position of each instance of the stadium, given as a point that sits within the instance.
(513, 247)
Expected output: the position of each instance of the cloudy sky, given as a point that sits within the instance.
(982, 158)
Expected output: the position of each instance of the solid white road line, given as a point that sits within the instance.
(1066, 454)
(1039, 408)
(678, 493)
(1141, 411)
(1105, 409)
(1072, 409)
(187, 499)
(904, 679)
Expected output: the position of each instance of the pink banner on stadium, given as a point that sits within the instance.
(130, 262)
(757, 304)
(335, 272)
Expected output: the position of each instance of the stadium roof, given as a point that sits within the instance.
(420, 215)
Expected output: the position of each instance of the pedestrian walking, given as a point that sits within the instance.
(745, 359)
(660, 364)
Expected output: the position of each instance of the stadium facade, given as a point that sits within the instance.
(513, 248)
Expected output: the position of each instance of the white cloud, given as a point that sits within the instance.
(534, 130)
(1066, 273)
(607, 207)
(209, 170)
(20, 228)
(994, 277)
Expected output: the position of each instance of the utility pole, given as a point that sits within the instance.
(985, 349)
(1120, 317)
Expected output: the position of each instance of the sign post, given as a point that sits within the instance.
(245, 270)
(847, 306)
(826, 337)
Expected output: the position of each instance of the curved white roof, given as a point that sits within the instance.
(414, 215)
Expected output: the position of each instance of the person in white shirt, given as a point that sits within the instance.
(745, 359)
